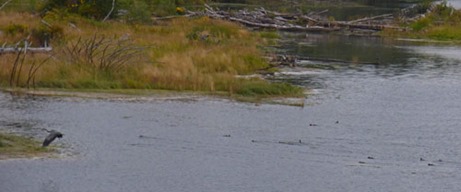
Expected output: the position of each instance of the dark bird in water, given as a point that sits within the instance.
(51, 137)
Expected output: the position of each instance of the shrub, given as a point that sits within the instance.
(15, 29)
(42, 35)
(421, 24)
(135, 10)
(97, 9)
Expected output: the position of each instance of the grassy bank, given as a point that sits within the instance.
(443, 23)
(13, 146)
(199, 54)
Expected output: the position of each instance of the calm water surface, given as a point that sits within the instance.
(387, 118)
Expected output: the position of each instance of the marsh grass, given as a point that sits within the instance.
(184, 54)
(256, 88)
(13, 146)
(443, 24)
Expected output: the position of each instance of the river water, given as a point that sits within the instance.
(387, 118)
(393, 125)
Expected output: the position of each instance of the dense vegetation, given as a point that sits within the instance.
(198, 54)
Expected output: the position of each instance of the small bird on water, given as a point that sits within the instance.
(51, 137)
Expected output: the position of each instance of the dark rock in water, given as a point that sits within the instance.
(226, 135)
(361, 162)
(430, 164)
(369, 157)
(312, 124)
(51, 137)
(421, 159)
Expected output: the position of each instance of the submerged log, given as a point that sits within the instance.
(293, 60)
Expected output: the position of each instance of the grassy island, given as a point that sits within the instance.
(13, 146)
(180, 54)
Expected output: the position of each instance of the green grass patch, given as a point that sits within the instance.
(443, 23)
(446, 32)
(13, 146)
(265, 89)
(420, 24)
(269, 34)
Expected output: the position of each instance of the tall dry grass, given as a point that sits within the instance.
(182, 54)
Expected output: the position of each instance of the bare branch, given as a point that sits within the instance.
(4, 4)
(110, 12)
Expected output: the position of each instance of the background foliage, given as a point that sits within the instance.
(131, 10)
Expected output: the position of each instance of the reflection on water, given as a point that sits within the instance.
(17, 111)
(348, 48)
(366, 56)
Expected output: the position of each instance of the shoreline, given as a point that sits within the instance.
(154, 95)
(32, 144)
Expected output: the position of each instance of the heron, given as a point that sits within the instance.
(51, 137)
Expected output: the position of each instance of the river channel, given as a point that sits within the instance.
(388, 119)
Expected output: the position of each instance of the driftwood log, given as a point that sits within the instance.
(21, 49)
(313, 21)
(26, 48)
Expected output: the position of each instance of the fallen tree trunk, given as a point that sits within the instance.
(371, 18)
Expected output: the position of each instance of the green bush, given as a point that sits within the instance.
(96, 9)
(131, 10)
(15, 29)
(44, 34)
(421, 24)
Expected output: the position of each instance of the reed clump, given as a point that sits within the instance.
(199, 54)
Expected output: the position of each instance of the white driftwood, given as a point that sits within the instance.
(28, 49)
